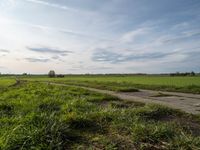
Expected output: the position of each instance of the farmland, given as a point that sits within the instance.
(99, 75)
(130, 83)
(4, 82)
(42, 116)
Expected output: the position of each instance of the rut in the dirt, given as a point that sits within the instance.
(189, 103)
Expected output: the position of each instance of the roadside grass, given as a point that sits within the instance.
(42, 116)
(131, 87)
(129, 83)
(113, 86)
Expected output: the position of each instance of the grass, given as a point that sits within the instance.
(5, 82)
(127, 83)
(42, 116)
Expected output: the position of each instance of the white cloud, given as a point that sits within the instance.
(132, 35)
(51, 5)
(118, 35)
(7, 4)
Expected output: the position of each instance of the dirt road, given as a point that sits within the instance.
(186, 102)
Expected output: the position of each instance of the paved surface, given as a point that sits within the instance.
(186, 102)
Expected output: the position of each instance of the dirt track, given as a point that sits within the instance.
(186, 102)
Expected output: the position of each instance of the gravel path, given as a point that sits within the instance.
(186, 102)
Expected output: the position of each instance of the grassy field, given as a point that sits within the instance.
(4, 82)
(42, 116)
(131, 83)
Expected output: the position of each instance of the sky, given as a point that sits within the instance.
(99, 36)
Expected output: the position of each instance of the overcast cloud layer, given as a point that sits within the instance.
(99, 36)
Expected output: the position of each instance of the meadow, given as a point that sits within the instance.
(42, 116)
(126, 83)
(4, 82)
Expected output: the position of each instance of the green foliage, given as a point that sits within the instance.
(6, 109)
(5, 82)
(128, 83)
(153, 133)
(42, 116)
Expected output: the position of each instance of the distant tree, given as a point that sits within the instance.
(192, 73)
(51, 74)
(60, 76)
(24, 74)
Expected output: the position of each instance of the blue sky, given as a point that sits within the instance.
(99, 36)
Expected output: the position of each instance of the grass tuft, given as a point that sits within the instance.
(6, 109)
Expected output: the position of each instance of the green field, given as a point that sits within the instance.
(4, 82)
(40, 116)
(130, 83)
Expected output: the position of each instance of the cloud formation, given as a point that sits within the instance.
(186, 35)
(114, 34)
(4, 51)
(41, 60)
(49, 50)
(60, 30)
(131, 35)
(79, 67)
(101, 55)
(54, 5)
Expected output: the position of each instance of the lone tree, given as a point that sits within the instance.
(192, 73)
(51, 74)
